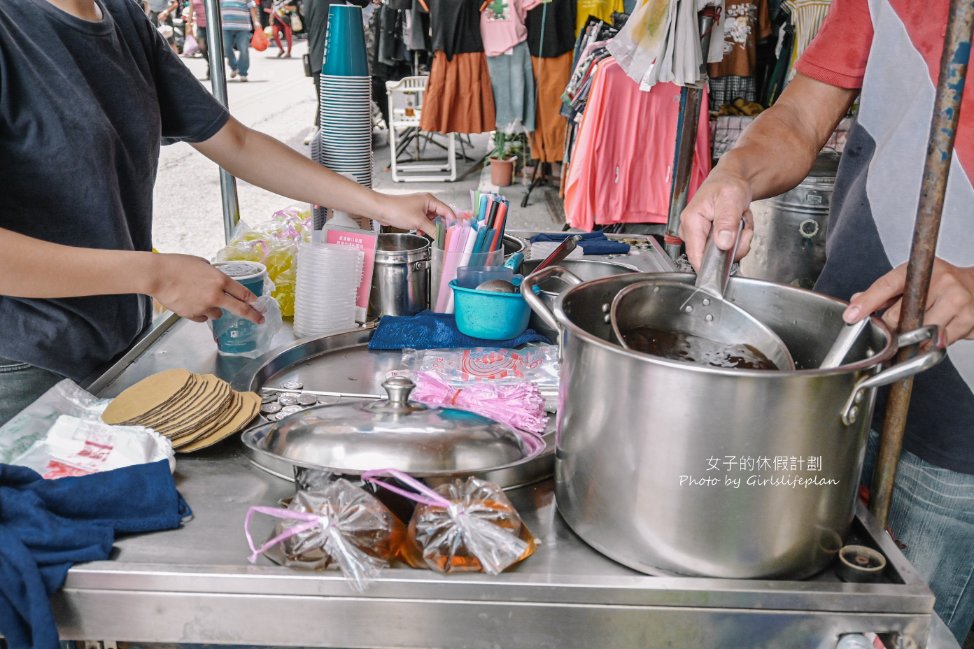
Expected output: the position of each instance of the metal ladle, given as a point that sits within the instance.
(698, 311)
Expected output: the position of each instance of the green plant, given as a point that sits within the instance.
(510, 146)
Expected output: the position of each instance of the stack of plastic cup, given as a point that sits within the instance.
(346, 97)
(328, 277)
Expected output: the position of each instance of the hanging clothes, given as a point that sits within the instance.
(502, 25)
(622, 165)
(807, 16)
(551, 76)
(601, 9)
(551, 28)
(512, 82)
(746, 22)
(458, 98)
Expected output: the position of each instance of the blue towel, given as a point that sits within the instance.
(428, 330)
(592, 243)
(46, 526)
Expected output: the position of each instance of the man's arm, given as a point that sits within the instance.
(187, 285)
(263, 161)
(773, 155)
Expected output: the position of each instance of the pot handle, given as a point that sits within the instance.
(920, 363)
(539, 307)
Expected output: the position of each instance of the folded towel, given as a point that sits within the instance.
(592, 243)
(47, 526)
(428, 330)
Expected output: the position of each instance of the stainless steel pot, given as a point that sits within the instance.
(676, 468)
(586, 269)
(401, 278)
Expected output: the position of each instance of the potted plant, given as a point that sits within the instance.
(503, 159)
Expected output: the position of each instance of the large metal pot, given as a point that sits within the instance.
(677, 468)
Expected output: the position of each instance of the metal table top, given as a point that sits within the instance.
(196, 585)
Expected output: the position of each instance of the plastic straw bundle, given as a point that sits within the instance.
(516, 404)
(475, 238)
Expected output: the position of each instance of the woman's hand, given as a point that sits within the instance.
(950, 300)
(192, 288)
(412, 212)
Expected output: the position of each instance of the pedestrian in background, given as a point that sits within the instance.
(239, 19)
(196, 24)
(280, 21)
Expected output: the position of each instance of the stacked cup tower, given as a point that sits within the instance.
(345, 140)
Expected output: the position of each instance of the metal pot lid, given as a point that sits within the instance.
(395, 433)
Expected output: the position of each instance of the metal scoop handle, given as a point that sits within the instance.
(716, 264)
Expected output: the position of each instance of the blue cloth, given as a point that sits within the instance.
(932, 514)
(428, 330)
(46, 526)
(592, 243)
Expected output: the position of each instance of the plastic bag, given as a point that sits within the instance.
(260, 338)
(259, 40)
(534, 363)
(190, 46)
(273, 243)
(61, 433)
(333, 522)
(462, 526)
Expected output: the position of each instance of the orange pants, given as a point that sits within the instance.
(551, 78)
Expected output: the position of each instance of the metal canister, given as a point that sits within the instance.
(789, 229)
(401, 279)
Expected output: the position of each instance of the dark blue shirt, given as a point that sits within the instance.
(84, 107)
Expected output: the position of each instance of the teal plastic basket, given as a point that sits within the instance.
(489, 315)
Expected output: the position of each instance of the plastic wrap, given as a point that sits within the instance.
(537, 364)
(462, 526)
(333, 523)
(273, 243)
(61, 434)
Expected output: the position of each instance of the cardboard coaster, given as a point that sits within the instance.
(177, 404)
(215, 398)
(251, 405)
(146, 395)
(222, 418)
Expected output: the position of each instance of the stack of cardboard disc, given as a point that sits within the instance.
(192, 410)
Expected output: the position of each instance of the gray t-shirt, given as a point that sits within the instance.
(84, 107)
(159, 5)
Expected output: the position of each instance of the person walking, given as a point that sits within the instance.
(197, 23)
(239, 19)
(280, 21)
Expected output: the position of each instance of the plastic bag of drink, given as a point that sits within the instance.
(333, 523)
(461, 526)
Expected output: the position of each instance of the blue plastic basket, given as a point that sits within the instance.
(489, 315)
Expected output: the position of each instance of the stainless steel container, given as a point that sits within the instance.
(677, 468)
(585, 269)
(789, 230)
(401, 279)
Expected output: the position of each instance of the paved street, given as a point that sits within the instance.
(280, 100)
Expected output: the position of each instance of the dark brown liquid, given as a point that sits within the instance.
(681, 346)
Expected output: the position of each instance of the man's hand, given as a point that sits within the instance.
(719, 203)
(412, 212)
(950, 300)
(192, 288)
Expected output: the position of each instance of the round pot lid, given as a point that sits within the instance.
(395, 433)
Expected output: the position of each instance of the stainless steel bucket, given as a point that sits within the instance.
(401, 279)
(789, 230)
(678, 468)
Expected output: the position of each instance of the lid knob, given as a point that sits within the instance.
(398, 389)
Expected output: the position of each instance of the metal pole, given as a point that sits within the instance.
(218, 80)
(686, 141)
(936, 169)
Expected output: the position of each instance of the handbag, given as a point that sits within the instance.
(296, 23)
(259, 41)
